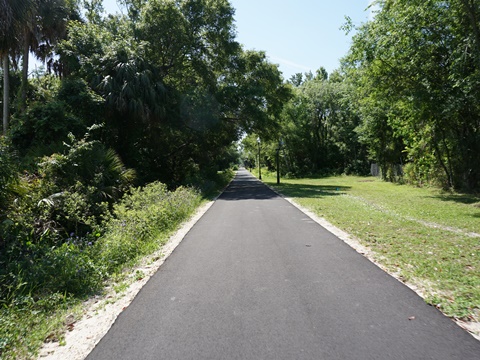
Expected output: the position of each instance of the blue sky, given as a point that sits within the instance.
(298, 35)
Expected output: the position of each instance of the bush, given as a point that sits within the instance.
(70, 199)
(8, 175)
(39, 260)
(69, 269)
(89, 162)
(63, 232)
(80, 186)
(43, 128)
(81, 100)
(141, 221)
(57, 108)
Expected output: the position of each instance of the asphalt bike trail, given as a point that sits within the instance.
(256, 278)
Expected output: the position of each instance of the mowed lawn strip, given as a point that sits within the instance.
(427, 237)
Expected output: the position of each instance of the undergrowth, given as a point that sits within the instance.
(43, 282)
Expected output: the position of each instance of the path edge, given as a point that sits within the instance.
(473, 328)
(101, 312)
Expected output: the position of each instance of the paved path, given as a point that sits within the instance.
(257, 279)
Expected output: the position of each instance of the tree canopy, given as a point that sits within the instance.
(416, 69)
(177, 87)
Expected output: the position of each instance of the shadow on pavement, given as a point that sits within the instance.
(247, 187)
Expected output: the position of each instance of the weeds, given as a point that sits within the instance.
(142, 223)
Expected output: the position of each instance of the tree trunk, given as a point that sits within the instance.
(438, 154)
(26, 51)
(469, 8)
(6, 93)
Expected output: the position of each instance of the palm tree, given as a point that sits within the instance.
(13, 13)
(46, 25)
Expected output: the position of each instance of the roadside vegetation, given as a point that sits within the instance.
(426, 236)
(403, 103)
(45, 282)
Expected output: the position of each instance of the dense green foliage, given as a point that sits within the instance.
(178, 88)
(147, 213)
(416, 71)
(318, 128)
(317, 131)
(39, 276)
(405, 99)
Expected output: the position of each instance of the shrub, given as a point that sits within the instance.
(81, 100)
(8, 174)
(141, 221)
(69, 269)
(43, 127)
(80, 186)
(70, 199)
(91, 163)
(57, 109)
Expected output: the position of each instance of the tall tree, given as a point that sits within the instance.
(253, 94)
(13, 13)
(178, 87)
(318, 128)
(45, 25)
(416, 66)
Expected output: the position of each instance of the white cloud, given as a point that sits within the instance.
(289, 63)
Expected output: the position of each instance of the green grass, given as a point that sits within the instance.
(429, 237)
(27, 323)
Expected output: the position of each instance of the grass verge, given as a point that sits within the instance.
(427, 237)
